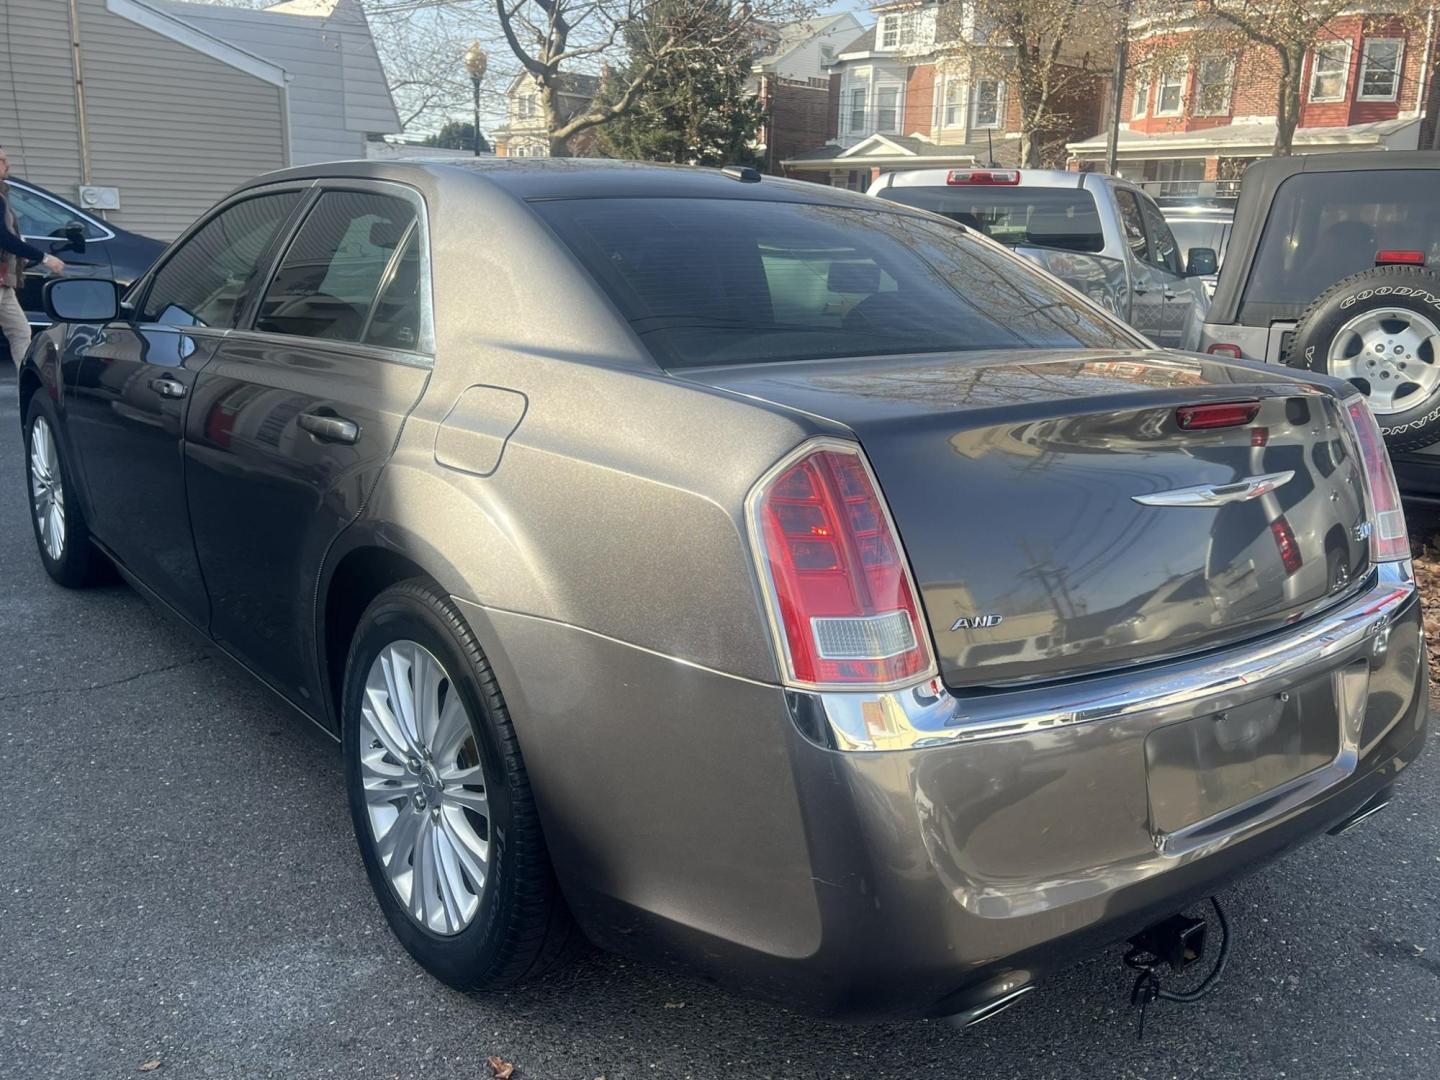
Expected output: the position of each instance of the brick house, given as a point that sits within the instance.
(792, 82)
(900, 109)
(1210, 115)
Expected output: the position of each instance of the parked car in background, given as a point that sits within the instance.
(89, 246)
(1098, 234)
(1336, 269)
(1200, 223)
(763, 577)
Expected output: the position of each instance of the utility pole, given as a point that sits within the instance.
(1117, 91)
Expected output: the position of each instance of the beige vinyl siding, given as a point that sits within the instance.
(37, 94)
(176, 131)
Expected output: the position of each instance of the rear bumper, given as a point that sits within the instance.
(710, 822)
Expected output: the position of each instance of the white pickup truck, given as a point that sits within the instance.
(1097, 233)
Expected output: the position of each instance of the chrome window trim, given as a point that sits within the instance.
(924, 714)
(75, 211)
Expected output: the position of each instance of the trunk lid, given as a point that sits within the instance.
(1012, 479)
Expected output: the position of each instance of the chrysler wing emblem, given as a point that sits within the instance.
(1251, 487)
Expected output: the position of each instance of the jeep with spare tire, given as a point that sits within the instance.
(1334, 267)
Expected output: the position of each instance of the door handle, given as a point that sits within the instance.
(334, 429)
(1169, 294)
(168, 387)
(1141, 289)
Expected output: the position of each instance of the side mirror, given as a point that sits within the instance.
(88, 300)
(75, 237)
(1202, 262)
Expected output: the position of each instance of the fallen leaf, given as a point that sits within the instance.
(150, 1066)
(674, 1004)
(500, 1069)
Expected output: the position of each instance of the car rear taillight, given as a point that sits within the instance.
(1225, 349)
(1218, 414)
(839, 590)
(1400, 258)
(1285, 543)
(983, 176)
(1388, 538)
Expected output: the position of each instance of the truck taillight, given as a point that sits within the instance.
(836, 582)
(992, 177)
(1388, 537)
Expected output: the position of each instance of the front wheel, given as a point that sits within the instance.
(61, 534)
(440, 798)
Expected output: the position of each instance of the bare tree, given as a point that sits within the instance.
(1174, 31)
(554, 38)
(1052, 54)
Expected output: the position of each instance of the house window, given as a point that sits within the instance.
(1380, 69)
(1170, 97)
(1329, 72)
(897, 31)
(827, 55)
(1213, 79)
(989, 105)
(887, 108)
(952, 110)
(529, 107)
(1141, 105)
(857, 109)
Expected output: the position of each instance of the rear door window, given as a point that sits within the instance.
(718, 281)
(348, 248)
(1326, 226)
(1133, 222)
(1063, 218)
(1164, 252)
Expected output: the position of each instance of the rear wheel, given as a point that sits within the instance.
(1380, 331)
(440, 798)
(61, 534)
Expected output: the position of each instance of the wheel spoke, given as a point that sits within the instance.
(397, 845)
(427, 676)
(402, 694)
(472, 852)
(383, 725)
(451, 881)
(470, 800)
(1382, 395)
(422, 890)
(471, 776)
(452, 728)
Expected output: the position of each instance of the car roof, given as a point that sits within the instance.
(1258, 186)
(573, 178)
(1054, 178)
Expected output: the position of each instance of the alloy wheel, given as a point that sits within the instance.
(1391, 354)
(425, 789)
(47, 491)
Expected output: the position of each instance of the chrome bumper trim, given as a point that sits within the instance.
(928, 715)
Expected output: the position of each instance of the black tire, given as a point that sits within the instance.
(1411, 288)
(522, 926)
(78, 563)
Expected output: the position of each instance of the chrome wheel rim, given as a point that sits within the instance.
(425, 789)
(1392, 355)
(47, 492)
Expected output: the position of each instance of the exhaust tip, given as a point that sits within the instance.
(1368, 810)
(993, 1007)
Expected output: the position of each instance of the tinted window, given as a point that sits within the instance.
(40, 216)
(1327, 226)
(395, 322)
(203, 283)
(1164, 252)
(1133, 224)
(331, 272)
(1044, 217)
(1202, 234)
(712, 281)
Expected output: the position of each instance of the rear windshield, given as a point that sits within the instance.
(1326, 226)
(1202, 234)
(716, 281)
(1040, 217)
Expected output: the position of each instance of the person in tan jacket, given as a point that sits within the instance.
(13, 249)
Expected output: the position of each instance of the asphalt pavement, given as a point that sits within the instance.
(179, 883)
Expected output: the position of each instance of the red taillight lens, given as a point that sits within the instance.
(1223, 349)
(1400, 258)
(1388, 538)
(1220, 414)
(1285, 542)
(838, 587)
(983, 176)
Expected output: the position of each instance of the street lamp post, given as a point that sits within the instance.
(475, 61)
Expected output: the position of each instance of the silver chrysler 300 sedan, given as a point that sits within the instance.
(751, 574)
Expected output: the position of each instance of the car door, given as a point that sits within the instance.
(60, 230)
(129, 391)
(1147, 304)
(297, 414)
(1184, 301)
